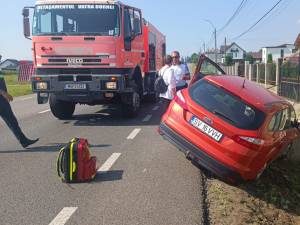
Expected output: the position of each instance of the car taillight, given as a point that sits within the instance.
(249, 142)
(179, 99)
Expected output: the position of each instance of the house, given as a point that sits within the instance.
(280, 51)
(9, 64)
(257, 56)
(297, 43)
(294, 58)
(210, 53)
(233, 50)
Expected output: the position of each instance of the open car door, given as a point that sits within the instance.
(206, 66)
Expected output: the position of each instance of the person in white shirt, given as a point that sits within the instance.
(181, 71)
(169, 78)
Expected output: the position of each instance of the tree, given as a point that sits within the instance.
(249, 58)
(194, 58)
(270, 58)
(228, 60)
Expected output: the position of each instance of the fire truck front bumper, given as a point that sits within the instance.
(81, 88)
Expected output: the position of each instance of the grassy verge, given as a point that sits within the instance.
(14, 87)
(272, 200)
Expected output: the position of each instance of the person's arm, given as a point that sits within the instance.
(173, 83)
(187, 75)
(3, 90)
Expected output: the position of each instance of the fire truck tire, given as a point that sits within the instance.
(131, 110)
(61, 109)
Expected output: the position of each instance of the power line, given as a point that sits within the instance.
(277, 11)
(237, 11)
(250, 28)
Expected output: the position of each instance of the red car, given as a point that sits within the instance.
(228, 125)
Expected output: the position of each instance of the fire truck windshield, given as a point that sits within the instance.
(76, 20)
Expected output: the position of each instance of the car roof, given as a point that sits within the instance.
(251, 93)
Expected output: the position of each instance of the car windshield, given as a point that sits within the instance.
(226, 106)
(100, 20)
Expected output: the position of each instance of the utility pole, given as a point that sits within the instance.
(204, 48)
(216, 51)
(225, 44)
(215, 34)
(225, 47)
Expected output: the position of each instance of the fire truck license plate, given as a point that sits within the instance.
(75, 86)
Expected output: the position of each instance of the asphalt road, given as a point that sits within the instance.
(148, 180)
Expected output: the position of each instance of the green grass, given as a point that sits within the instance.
(16, 88)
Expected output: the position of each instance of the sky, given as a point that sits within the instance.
(183, 23)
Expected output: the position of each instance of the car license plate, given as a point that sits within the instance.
(75, 86)
(206, 129)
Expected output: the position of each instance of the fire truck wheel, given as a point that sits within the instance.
(61, 109)
(131, 110)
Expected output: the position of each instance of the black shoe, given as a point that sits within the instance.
(28, 142)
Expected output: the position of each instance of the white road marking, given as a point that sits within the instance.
(63, 216)
(155, 108)
(133, 134)
(109, 163)
(48, 110)
(147, 118)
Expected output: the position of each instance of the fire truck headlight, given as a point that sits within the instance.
(111, 85)
(41, 85)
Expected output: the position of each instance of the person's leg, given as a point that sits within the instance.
(9, 118)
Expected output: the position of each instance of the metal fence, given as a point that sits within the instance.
(288, 76)
(290, 81)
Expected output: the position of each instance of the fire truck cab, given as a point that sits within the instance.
(92, 52)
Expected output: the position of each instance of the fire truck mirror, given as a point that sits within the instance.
(25, 12)
(26, 25)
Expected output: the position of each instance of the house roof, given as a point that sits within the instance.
(293, 58)
(222, 49)
(256, 55)
(279, 46)
(297, 42)
(16, 62)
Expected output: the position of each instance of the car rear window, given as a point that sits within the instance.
(226, 106)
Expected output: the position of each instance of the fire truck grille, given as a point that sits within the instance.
(70, 60)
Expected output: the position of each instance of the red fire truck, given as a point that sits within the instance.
(92, 52)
